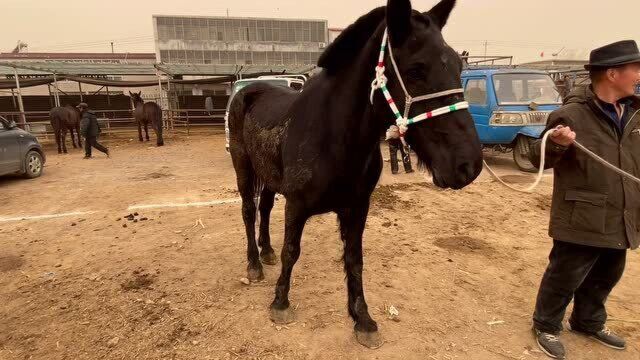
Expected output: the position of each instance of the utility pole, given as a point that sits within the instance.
(485, 47)
(227, 12)
(112, 47)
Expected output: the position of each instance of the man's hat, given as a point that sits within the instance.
(612, 55)
(82, 106)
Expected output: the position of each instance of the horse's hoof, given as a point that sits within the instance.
(255, 274)
(282, 317)
(269, 258)
(372, 340)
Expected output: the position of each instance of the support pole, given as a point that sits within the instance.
(80, 88)
(23, 119)
(108, 97)
(50, 96)
(13, 99)
(55, 88)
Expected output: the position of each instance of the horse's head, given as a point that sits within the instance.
(447, 144)
(136, 97)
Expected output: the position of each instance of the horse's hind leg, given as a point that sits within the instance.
(246, 180)
(79, 137)
(146, 130)
(140, 131)
(267, 254)
(58, 136)
(295, 218)
(64, 141)
(158, 128)
(352, 224)
(73, 139)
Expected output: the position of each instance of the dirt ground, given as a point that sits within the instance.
(462, 268)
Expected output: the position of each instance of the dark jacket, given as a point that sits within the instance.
(592, 205)
(89, 126)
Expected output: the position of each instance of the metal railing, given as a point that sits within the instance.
(122, 121)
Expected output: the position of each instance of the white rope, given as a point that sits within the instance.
(543, 148)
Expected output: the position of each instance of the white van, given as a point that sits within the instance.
(295, 82)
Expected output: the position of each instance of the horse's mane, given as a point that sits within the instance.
(351, 41)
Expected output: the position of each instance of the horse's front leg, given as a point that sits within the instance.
(352, 224)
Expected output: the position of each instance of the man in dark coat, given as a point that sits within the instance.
(90, 129)
(395, 145)
(595, 213)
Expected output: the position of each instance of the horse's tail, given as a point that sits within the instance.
(55, 117)
(237, 112)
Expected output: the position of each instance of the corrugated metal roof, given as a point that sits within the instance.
(70, 68)
(34, 56)
(222, 70)
(82, 69)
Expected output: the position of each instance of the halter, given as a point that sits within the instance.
(403, 122)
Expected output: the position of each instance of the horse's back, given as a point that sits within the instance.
(148, 112)
(57, 117)
(258, 117)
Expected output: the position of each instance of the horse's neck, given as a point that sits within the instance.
(363, 124)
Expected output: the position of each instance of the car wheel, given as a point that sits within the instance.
(33, 165)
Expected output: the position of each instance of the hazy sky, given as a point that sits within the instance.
(523, 28)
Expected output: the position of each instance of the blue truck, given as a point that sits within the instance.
(510, 107)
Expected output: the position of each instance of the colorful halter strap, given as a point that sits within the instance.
(403, 122)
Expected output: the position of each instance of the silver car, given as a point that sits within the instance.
(20, 152)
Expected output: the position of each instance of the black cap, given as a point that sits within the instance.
(82, 106)
(612, 55)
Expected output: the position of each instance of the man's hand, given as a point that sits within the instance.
(563, 135)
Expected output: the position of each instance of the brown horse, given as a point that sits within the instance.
(65, 118)
(146, 113)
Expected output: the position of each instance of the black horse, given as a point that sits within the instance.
(63, 119)
(321, 148)
(146, 113)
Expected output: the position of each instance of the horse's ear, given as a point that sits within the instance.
(351, 41)
(130, 93)
(440, 13)
(398, 21)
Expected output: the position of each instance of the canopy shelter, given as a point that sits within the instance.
(50, 72)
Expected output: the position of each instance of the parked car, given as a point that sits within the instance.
(510, 107)
(20, 152)
(295, 82)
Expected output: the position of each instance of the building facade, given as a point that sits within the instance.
(238, 41)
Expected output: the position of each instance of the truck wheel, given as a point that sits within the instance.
(521, 155)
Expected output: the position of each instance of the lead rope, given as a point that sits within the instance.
(543, 149)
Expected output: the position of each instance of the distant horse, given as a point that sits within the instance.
(146, 113)
(65, 118)
(320, 148)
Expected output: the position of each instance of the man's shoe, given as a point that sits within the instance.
(549, 344)
(86, 157)
(606, 337)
